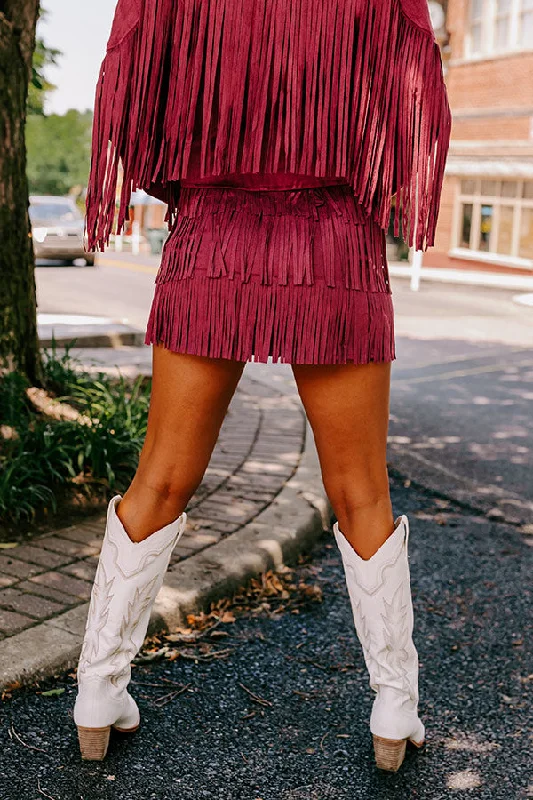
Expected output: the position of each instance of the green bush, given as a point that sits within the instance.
(61, 371)
(96, 453)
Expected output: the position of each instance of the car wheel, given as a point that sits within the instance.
(89, 262)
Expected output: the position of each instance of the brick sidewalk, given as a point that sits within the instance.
(258, 451)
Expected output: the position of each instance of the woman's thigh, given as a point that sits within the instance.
(348, 408)
(189, 400)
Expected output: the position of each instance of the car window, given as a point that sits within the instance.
(56, 212)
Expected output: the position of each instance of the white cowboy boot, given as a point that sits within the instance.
(380, 595)
(128, 578)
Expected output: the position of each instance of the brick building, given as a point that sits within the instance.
(486, 218)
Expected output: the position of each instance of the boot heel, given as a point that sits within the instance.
(389, 753)
(125, 730)
(93, 742)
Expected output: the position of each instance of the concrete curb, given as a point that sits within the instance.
(91, 336)
(289, 526)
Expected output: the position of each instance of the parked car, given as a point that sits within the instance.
(57, 229)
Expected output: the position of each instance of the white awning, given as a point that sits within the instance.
(519, 169)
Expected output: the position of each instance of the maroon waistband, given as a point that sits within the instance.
(262, 181)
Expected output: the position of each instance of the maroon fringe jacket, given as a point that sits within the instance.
(336, 89)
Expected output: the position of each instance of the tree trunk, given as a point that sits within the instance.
(19, 348)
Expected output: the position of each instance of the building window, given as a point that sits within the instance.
(476, 26)
(467, 210)
(526, 23)
(505, 230)
(499, 26)
(526, 234)
(496, 217)
(502, 24)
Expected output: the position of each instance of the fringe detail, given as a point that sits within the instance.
(415, 142)
(110, 135)
(344, 88)
(225, 318)
(298, 237)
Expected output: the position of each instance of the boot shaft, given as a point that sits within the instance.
(380, 596)
(128, 578)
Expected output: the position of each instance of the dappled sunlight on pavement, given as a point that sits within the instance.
(461, 420)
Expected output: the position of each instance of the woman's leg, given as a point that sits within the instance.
(190, 397)
(348, 408)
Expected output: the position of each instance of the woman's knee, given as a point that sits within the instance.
(169, 488)
(352, 498)
(153, 501)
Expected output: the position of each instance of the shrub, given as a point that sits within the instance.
(94, 452)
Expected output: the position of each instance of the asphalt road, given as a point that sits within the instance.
(462, 423)
(123, 289)
(308, 738)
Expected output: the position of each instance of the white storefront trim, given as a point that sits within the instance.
(473, 167)
(511, 262)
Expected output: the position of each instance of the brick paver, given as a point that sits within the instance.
(60, 581)
(12, 622)
(31, 605)
(18, 569)
(80, 569)
(258, 450)
(39, 555)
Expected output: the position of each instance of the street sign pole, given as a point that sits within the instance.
(416, 270)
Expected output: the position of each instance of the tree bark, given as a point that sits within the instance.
(19, 347)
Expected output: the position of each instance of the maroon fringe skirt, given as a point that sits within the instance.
(299, 275)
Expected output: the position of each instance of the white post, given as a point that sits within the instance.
(135, 238)
(416, 270)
